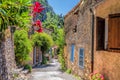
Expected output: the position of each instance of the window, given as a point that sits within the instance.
(81, 57)
(114, 32)
(100, 33)
(72, 52)
(108, 36)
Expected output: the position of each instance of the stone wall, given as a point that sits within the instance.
(7, 57)
(106, 62)
(84, 40)
(81, 39)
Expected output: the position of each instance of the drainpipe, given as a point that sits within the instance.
(92, 43)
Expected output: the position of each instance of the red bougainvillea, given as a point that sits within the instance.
(40, 30)
(38, 23)
(37, 8)
(38, 26)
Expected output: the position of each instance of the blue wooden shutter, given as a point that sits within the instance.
(81, 57)
(72, 52)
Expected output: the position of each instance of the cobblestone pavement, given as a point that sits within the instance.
(50, 72)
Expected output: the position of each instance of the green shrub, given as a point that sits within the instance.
(14, 12)
(27, 66)
(61, 59)
(42, 39)
(44, 60)
(23, 46)
(68, 71)
(15, 75)
(77, 77)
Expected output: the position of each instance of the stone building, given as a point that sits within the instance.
(91, 40)
(107, 39)
(78, 40)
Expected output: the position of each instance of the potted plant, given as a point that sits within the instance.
(96, 76)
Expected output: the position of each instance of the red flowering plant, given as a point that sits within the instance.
(37, 24)
(37, 8)
(96, 76)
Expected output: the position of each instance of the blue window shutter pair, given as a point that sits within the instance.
(81, 55)
(72, 52)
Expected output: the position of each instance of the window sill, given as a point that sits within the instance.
(110, 51)
(81, 67)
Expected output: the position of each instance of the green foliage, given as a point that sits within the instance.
(27, 66)
(14, 12)
(42, 39)
(61, 60)
(15, 75)
(55, 22)
(36, 38)
(60, 38)
(77, 77)
(44, 60)
(68, 71)
(23, 46)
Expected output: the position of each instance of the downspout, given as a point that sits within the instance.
(92, 42)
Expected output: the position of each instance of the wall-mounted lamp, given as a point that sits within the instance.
(12, 29)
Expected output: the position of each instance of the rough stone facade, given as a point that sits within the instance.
(107, 62)
(7, 57)
(81, 16)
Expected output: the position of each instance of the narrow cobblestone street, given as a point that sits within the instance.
(50, 72)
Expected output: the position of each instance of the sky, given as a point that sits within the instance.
(62, 6)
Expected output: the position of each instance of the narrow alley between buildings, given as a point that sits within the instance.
(50, 71)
